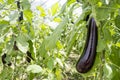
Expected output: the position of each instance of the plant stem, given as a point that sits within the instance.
(103, 62)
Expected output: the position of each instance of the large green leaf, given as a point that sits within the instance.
(69, 2)
(58, 74)
(10, 1)
(102, 13)
(42, 51)
(6, 73)
(42, 11)
(63, 9)
(71, 40)
(50, 42)
(34, 68)
(22, 43)
(28, 14)
(76, 28)
(115, 55)
(59, 61)
(54, 8)
(13, 16)
(111, 72)
(118, 2)
(101, 45)
(93, 1)
(52, 39)
(107, 71)
(117, 21)
(50, 63)
(25, 4)
(114, 4)
(2, 1)
(3, 25)
(107, 34)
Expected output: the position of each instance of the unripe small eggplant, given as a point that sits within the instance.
(21, 12)
(87, 58)
(18, 4)
(29, 57)
(20, 17)
(3, 58)
(15, 46)
(4, 61)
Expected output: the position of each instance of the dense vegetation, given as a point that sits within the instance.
(31, 48)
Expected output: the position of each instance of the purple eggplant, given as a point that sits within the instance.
(87, 58)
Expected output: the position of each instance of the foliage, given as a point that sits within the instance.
(55, 49)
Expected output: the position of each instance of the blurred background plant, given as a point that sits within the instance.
(42, 41)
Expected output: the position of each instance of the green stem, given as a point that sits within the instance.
(103, 62)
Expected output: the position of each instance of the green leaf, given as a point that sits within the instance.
(10, 1)
(4, 25)
(6, 73)
(99, 4)
(2, 1)
(31, 30)
(117, 21)
(9, 46)
(102, 13)
(101, 45)
(115, 55)
(34, 68)
(107, 71)
(113, 72)
(71, 40)
(50, 63)
(114, 4)
(94, 1)
(75, 31)
(28, 14)
(25, 4)
(70, 13)
(53, 38)
(42, 11)
(58, 19)
(42, 51)
(118, 2)
(69, 2)
(22, 43)
(81, 17)
(59, 62)
(58, 74)
(13, 16)
(63, 9)
(107, 34)
(118, 44)
(55, 8)
(59, 45)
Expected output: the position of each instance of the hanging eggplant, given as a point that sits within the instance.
(29, 56)
(21, 12)
(15, 46)
(4, 61)
(87, 59)
(3, 58)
